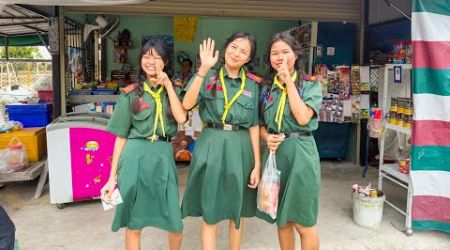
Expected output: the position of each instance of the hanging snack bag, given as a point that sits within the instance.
(267, 197)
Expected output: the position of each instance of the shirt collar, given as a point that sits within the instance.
(225, 73)
(153, 88)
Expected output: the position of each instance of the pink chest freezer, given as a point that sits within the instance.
(79, 156)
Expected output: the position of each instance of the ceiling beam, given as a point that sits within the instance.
(22, 23)
(21, 34)
(34, 10)
(34, 28)
(20, 18)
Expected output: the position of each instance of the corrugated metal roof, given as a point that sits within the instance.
(16, 20)
(322, 10)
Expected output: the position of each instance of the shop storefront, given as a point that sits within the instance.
(98, 48)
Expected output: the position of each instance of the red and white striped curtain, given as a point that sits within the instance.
(430, 169)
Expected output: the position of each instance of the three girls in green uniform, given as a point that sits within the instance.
(225, 168)
(290, 106)
(145, 118)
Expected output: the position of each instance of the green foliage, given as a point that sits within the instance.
(21, 52)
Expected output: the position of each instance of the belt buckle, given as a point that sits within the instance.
(228, 127)
(153, 137)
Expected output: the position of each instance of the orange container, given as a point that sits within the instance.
(34, 140)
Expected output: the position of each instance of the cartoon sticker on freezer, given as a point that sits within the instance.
(92, 146)
(91, 151)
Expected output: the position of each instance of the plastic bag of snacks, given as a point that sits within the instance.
(403, 163)
(267, 197)
(16, 155)
(375, 124)
(3, 165)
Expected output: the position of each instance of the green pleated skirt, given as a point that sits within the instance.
(218, 177)
(298, 160)
(148, 182)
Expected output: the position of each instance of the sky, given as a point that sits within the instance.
(44, 52)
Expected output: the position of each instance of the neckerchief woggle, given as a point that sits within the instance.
(282, 102)
(225, 94)
(159, 109)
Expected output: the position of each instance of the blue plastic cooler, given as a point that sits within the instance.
(30, 115)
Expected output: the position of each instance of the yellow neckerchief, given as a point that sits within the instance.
(282, 102)
(235, 97)
(159, 109)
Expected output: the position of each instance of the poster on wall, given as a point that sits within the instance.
(184, 28)
(306, 35)
(170, 42)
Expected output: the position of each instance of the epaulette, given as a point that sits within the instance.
(254, 77)
(310, 78)
(129, 88)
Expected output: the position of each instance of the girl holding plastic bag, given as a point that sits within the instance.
(269, 187)
(290, 106)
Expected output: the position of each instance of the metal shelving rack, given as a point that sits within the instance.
(391, 171)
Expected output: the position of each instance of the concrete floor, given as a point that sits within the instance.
(84, 225)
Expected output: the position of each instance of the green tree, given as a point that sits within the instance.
(21, 52)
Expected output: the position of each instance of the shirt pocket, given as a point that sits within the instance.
(142, 120)
(267, 105)
(268, 110)
(244, 109)
(214, 103)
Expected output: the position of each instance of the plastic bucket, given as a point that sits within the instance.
(368, 211)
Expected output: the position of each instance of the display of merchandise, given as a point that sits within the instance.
(321, 72)
(332, 109)
(375, 123)
(404, 164)
(343, 73)
(402, 52)
(401, 112)
(120, 75)
(333, 83)
(342, 99)
(398, 112)
(356, 107)
(99, 107)
(355, 80)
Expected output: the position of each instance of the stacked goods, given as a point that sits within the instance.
(401, 112)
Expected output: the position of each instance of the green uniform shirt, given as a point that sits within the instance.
(311, 94)
(244, 112)
(125, 124)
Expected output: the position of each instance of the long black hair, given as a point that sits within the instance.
(295, 46)
(160, 47)
(298, 65)
(247, 35)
